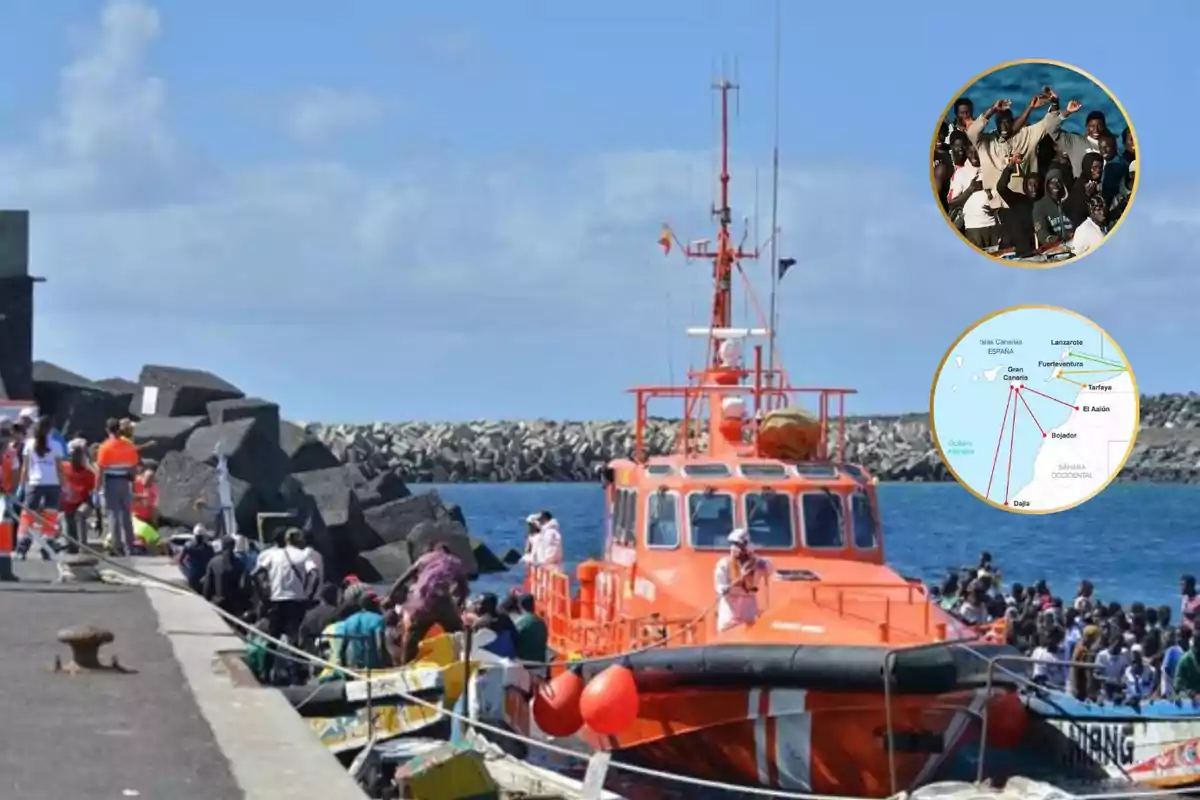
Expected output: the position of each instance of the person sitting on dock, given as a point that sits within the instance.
(738, 578)
(544, 548)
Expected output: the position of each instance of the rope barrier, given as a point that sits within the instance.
(148, 581)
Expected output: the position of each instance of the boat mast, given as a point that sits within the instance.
(772, 324)
(727, 254)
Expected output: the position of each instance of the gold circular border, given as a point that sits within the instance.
(1012, 262)
(1137, 409)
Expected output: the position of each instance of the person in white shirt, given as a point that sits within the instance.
(297, 539)
(1090, 234)
(41, 467)
(1140, 679)
(738, 578)
(291, 578)
(967, 193)
(1047, 667)
(544, 548)
(1110, 665)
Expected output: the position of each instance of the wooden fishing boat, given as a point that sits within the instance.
(1156, 743)
(845, 683)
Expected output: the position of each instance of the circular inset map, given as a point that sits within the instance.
(1034, 409)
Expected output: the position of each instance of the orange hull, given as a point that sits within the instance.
(789, 739)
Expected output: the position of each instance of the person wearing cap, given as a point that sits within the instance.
(1080, 678)
(544, 548)
(738, 578)
(1051, 218)
(116, 463)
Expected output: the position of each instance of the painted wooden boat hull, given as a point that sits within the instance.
(1156, 744)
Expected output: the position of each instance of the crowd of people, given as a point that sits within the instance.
(282, 593)
(1096, 651)
(77, 486)
(1026, 188)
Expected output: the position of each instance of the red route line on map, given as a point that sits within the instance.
(1012, 438)
(1030, 410)
(999, 439)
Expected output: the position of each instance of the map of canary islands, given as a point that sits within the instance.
(1034, 409)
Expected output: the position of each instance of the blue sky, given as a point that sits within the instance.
(381, 210)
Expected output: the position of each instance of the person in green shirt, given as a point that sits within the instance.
(1187, 674)
(533, 637)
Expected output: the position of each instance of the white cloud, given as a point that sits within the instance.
(321, 113)
(128, 219)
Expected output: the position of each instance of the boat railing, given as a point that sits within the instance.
(831, 411)
(878, 602)
(595, 623)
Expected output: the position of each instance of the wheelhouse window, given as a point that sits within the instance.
(660, 470)
(824, 524)
(713, 470)
(823, 471)
(764, 471)
(710, 515)
(662, 519)
(862, 519)
(624, 517)
(769, 519)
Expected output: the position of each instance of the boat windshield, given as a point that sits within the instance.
(769, 519)
(862, 517)
(823, 520)
(710, 515)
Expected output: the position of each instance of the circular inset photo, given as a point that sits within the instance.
(1034, 163)
(1034, 409)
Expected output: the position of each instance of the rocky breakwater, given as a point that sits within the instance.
(896, 448)
(361, 516)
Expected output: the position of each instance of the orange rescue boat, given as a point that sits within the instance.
(846, 681)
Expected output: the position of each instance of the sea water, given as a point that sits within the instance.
(1131, 541)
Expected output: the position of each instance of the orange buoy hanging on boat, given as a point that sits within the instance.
(556, 707)
(1007, 720)
(610, 701)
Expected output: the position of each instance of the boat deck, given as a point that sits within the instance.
(175, 728)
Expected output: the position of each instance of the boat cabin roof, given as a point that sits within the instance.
(677, 471)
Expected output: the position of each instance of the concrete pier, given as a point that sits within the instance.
(177, 727)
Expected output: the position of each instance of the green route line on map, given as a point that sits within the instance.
(1094, 371)
(1068, 380)
(1097, 360)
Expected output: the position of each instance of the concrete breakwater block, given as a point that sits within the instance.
(183, 480)
(250, 452)
(305, 451)
(77, 406)
(157, 436)
(179, 392)
(275, 466)
(266, 412)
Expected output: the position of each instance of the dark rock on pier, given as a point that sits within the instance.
(361, 516)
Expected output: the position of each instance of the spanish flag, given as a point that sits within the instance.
(664, 240)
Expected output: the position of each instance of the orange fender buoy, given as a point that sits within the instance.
(1007, 720)
(556, 708)
(610, 701)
